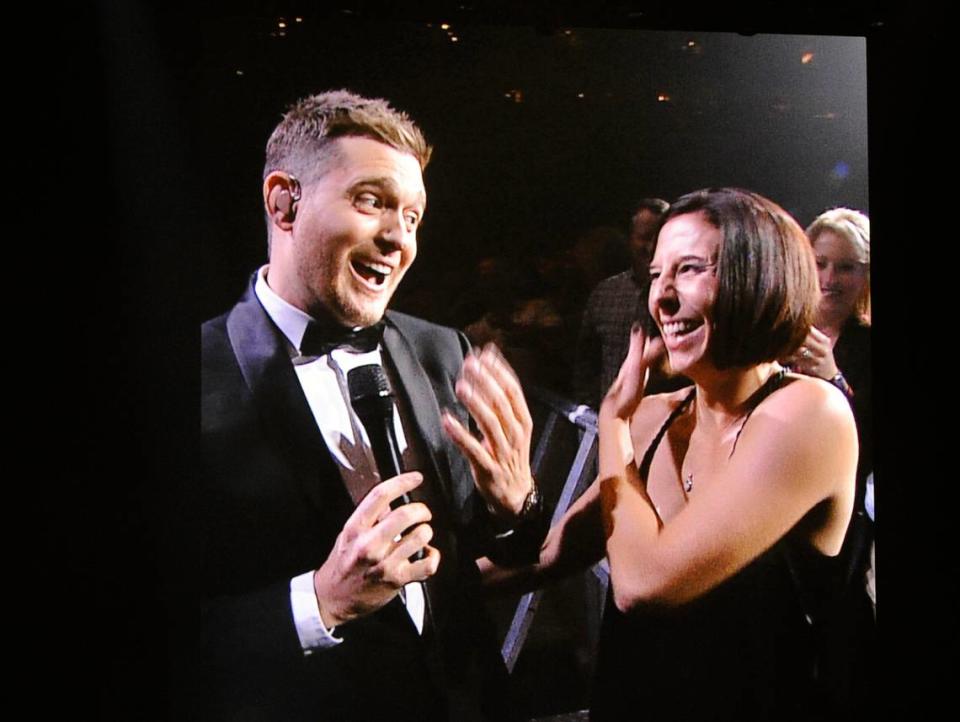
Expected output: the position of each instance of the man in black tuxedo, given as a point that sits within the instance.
(315, 605)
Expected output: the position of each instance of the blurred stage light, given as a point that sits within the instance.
(841, 170)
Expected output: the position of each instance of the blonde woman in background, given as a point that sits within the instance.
(837, 349)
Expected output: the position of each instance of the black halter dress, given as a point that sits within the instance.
(746, 650)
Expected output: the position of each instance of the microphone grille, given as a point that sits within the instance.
(368, 382)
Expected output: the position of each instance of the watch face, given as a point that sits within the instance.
(532, 501)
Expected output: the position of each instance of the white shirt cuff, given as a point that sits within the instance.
(311, 630)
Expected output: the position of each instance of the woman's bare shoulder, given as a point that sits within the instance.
(805, 418)
(808, 399)
(800, 444)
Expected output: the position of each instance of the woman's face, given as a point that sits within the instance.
(683, 287)
(842, 274)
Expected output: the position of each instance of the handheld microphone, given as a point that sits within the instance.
(372, 399)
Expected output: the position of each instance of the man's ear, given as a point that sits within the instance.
(281, 191)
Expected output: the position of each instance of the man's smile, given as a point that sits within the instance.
(373, 274)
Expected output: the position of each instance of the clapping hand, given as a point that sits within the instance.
(500, 458)
(627, 389)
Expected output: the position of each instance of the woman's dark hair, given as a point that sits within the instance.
(767, 291)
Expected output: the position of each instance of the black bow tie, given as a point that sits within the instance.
(320, 339)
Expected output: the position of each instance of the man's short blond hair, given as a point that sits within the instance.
(301, 144)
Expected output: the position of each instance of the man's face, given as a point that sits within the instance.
(354, 235)
(643, 238)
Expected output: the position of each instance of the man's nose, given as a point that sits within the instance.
(393, 230)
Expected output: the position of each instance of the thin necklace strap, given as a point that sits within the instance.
(648, 455)
(769, 386)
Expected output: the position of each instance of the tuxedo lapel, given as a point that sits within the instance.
(419, 398)
(265, 364)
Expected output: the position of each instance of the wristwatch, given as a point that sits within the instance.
(530, 509)
(532, 502)
(841, 383)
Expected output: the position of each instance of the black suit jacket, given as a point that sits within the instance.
(271, 504)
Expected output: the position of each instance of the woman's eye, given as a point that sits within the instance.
(845, 267)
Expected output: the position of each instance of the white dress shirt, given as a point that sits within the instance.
(323, 379)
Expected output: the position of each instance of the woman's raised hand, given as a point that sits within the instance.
(627, 389)
(815, 356)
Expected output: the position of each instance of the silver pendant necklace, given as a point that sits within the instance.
(759, 395)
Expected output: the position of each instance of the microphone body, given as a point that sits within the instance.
(372, 399)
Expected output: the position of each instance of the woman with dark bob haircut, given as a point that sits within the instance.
(721, 507)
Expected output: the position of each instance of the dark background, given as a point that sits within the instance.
(545, 136)
(156, 224)
(541, 132)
